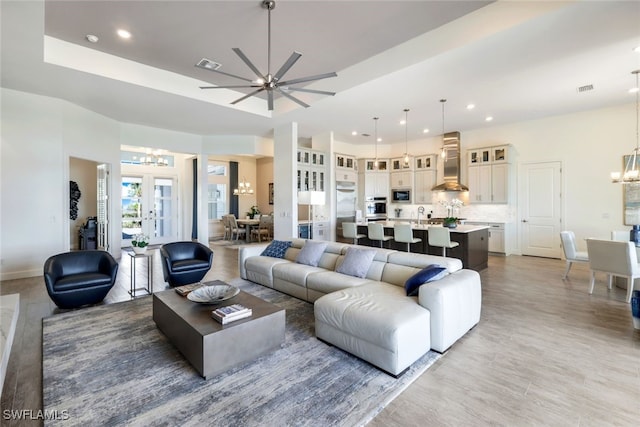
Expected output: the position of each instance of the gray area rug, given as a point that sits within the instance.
(110, 365)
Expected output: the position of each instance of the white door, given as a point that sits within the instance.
(150, 207)
(102, 236)
(541, 209)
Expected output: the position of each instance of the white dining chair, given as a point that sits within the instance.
(620, 235)
(375, 231)
(568, 239)
(614, 259)
(441, 237)
(402, 232)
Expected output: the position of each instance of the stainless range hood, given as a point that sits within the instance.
(451, 148)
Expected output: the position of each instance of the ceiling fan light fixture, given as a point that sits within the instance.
(270, 83)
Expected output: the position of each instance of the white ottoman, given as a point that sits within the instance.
(376, 322)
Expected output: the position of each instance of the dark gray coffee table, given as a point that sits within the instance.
(211, 347)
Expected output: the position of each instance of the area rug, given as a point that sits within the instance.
(110, 365)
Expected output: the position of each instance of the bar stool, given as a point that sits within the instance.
(402, 232)
(441, 237)
(350, 231)
(376, 232)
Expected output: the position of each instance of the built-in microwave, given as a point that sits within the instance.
(401, 195)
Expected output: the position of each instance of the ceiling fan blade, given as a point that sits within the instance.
(296, 89)
(247, 96)
(226, 74)
(248, 62)
(285, 67)
(308, 79)
(228, 87)
(293, 98)
(270, 100)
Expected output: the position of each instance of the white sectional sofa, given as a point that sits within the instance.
(372, 317)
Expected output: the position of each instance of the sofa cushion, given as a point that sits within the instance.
(356, 262)
(428, 274)
(331, 281)
(291, 272)
(276, 249)
(311, 253)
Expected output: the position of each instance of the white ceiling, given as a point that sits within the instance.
(514, 60)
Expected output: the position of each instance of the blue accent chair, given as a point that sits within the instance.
(185, 262)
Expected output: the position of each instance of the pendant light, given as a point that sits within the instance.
(406, 142)
(375, 136)
(631, 171)
(244, 188)
(444, 152)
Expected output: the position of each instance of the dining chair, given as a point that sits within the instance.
(376, 232)
(235, 229)
(620, 235)
(227, 227)
(263, 229)
(614, 259)
(350, 231)
(441, 236)
(568, 239)
(402, 232)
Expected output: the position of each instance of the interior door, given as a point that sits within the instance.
(102, 236)
(541, 209)
(149, 206)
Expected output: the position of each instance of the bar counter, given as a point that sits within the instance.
(473, 250)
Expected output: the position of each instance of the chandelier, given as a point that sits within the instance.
(154, 158)
(631, 171)
(244, 188)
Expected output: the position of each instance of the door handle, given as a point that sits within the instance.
(524, 220)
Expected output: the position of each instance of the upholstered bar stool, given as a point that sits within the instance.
(402, 232)
(441, 237)
(350, 231)
(376, 232)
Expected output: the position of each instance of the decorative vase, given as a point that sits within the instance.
(450, 224)
(138, 250)
(634, 235)
(635, 309)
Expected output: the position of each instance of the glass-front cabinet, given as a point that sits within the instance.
(425, 162)
(370, 165)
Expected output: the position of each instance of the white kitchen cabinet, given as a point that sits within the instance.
(346, 162)
(497, 236)
(425, 162)
(479, 181)
(346, 175)
(488, 174)
(401, 180)
(321, 230)
(311, 171)
(399, 164)
(424, 180)
(368, 165)
(376, 184)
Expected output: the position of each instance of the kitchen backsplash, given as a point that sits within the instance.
(475, 212)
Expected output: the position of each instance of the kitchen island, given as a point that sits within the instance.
(473, 250)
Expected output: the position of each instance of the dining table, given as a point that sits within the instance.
(248, 224)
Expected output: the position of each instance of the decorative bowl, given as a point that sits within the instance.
(213, 294)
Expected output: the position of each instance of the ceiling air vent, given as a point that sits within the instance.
(208, 64)
(585, 88)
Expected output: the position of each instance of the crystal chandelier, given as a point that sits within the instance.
(631, 171)
(244, 188)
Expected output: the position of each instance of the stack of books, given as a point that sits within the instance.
(231, 313)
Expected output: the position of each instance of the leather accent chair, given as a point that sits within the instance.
(78, 278)
(185, 262)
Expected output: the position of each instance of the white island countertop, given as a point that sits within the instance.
(466, 228)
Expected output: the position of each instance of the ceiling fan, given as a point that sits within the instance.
(268, 82)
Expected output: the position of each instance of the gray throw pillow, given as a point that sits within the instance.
(311, 252)
(356, 262)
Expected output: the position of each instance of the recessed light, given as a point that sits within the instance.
(425, 131)
(634, 90)
(379, 139)
(471, 106)
(489, 118)
(636, 49)
(354, 133)
(91, 38)
(403, 122)
(124, 34)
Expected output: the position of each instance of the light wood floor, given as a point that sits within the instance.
(544, 353)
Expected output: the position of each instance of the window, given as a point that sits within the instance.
(217, 203)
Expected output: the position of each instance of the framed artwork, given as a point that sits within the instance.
(271, 193)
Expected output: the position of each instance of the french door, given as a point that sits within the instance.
(150, 207)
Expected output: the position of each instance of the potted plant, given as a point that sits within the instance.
(140, 243)
(453, 207)
(254, 212)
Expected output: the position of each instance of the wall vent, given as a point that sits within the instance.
(585, 88)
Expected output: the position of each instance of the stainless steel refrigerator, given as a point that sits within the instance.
(346, 199)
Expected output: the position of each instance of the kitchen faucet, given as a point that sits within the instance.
(420, 212)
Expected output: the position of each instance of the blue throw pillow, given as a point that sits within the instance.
(427, 274)
(276, 249)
